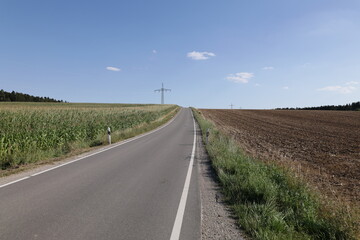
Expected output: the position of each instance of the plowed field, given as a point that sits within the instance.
(322, 146)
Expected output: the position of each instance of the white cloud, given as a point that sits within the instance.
(352, 83)
(242, 77)
(154, 51)
(286, 88)
(115, 69)
(268, 68)
(339, 89)
(257, 85)
(349, 87)
(200, 55)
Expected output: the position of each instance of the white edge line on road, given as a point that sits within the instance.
(9, 183)
(175, 233)
(92, 154)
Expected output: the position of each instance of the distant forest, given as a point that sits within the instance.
(355, 106)
(21, 97)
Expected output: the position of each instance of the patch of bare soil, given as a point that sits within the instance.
(322, 146)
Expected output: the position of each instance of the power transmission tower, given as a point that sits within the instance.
(162, 90)
(231, 105)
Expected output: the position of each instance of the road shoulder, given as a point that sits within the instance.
(217, 221)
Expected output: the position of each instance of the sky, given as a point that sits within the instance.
(254, 54)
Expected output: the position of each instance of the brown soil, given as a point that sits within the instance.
(322, 146)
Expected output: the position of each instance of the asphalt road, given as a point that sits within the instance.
(131, 191)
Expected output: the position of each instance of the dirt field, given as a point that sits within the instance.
(322, 146)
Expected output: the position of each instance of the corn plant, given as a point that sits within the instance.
(31, 132)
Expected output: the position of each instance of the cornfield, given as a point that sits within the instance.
(30, 132)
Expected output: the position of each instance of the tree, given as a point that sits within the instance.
(2, 95)
(13, 96)
(21, 97)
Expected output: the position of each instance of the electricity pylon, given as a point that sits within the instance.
(162, 90)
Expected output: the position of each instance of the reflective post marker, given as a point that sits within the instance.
(109, 135)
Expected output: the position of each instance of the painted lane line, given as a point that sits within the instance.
(175, 233)
(92, 154)
(9, 183)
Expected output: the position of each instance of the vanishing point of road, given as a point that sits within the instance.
(146, 188)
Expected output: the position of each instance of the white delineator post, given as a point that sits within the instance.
(109, 135)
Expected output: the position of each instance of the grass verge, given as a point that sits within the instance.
(269, 202)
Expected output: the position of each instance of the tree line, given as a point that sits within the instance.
(22, 97)
(355, 106)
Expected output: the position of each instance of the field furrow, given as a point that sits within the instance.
(322, 146)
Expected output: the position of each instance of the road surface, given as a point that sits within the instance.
(132, 191)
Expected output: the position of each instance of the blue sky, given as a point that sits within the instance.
(251, 53)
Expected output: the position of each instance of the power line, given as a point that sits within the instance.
(162, 90)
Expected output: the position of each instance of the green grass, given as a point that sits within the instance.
(268, 201)
(33, 132)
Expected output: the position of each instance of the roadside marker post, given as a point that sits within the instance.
(109, 135)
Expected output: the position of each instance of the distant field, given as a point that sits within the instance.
(322, 146)
(31, 132)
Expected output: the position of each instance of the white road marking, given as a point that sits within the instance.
(175, 234)
(6, 184)
(78, 159)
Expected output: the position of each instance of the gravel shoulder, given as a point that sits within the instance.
(217, 221)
